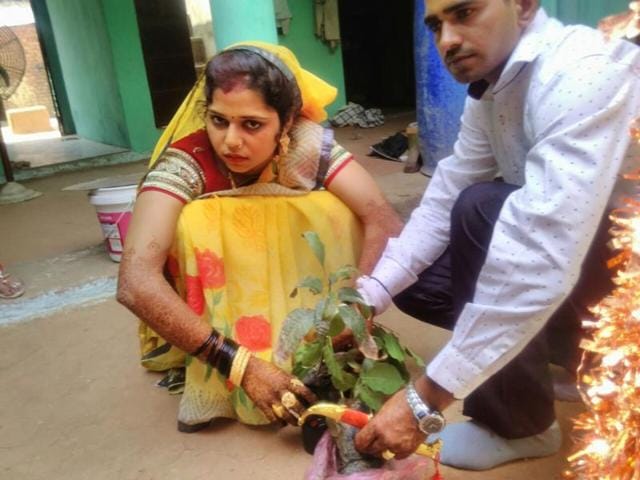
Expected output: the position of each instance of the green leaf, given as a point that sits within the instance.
(416, 358)
(336, 326)
(373, 400)
(367, 364)
(392, 346)
(316, 245)
(314, 284)
(383, 377)
(350, 295)
(320, 322)
(343, 273)
(353, 320)
(401, 367)
(330, 306)
(309, 354)
(294, 328)
(340, 379)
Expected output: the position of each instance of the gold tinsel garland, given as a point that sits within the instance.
(609, 374)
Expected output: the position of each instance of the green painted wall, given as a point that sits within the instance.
(130, 73)
(238, 20)
(313, 54)
(84, 51)
(586, 12)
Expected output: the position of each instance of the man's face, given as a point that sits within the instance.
(476, 37)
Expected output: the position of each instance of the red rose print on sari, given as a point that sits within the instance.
(210, 268)
(195, 295)
(253, 332)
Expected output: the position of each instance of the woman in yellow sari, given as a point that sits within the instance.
(215, 247)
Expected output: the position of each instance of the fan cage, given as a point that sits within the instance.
(12, 62)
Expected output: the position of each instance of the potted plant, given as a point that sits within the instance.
(341, 354)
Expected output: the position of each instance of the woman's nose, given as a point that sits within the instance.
(233, 138)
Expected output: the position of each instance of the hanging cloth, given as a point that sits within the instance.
(328, 21)
(283, 15)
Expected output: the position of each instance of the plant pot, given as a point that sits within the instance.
(312, 430)
(349, 460)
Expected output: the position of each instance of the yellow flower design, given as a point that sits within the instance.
(248, 221)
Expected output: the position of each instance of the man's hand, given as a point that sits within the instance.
(276, 393)
(394, 428)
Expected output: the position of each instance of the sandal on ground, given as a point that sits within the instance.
(186, 428)
(9, 288)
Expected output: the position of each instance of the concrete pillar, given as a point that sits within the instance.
(238, 20)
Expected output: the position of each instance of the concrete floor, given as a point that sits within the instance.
(76, 405)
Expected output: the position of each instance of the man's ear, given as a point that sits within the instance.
(526, 11)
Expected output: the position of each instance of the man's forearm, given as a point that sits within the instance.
(433, 394)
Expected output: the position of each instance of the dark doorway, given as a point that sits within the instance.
(377, 49)
(168, 59)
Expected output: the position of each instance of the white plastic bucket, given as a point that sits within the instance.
(114, 206)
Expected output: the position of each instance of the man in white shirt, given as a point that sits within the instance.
(505, 263)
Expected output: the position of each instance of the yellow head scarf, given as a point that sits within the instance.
(316, 94)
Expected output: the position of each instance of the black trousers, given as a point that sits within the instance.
(517, 401)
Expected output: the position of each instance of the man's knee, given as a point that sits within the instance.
(478, 205)
(427, 304)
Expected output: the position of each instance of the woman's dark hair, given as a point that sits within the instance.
(232, 68)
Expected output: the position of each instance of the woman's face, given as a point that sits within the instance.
(243, 129)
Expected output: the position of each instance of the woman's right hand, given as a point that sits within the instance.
(279, 395)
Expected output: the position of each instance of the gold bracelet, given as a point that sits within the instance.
(239, 365)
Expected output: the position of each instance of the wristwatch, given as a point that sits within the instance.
(429, 419)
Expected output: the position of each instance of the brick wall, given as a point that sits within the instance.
(34, 87)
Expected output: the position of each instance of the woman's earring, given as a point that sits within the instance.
(283, 148)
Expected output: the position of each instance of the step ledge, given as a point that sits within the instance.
(22, 310)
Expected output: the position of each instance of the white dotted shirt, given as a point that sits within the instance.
(557, 123)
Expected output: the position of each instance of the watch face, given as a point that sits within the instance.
(431, 423)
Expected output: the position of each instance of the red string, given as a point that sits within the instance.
(436, 464)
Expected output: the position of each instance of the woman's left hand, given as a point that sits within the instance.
(279, 395)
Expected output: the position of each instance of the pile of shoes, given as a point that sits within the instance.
(400, 147)
(391, 148)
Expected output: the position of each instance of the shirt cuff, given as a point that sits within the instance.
(374, 293)
(393, 276)
(455, 373)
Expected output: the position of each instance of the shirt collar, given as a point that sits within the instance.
(535, 40)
